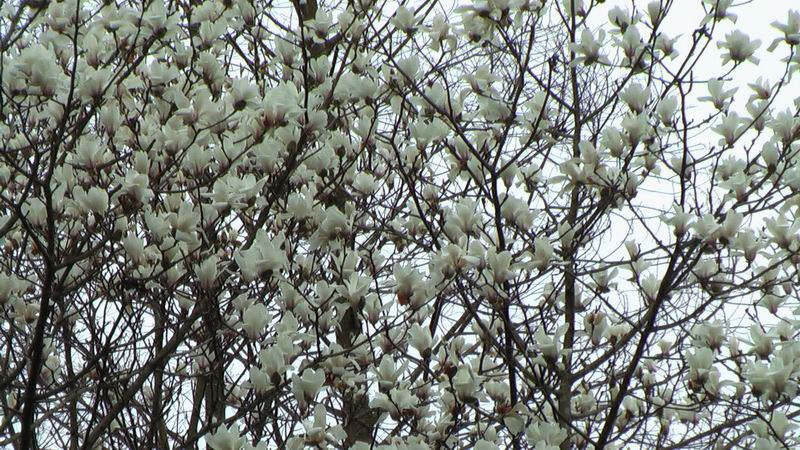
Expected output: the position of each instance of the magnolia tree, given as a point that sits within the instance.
(504, 224)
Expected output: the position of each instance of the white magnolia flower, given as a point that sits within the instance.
(207, 272)
(781, 232)
(94, 200)
(731, 128)
(259, 380)
(225, 438)
(719, 10)
(306, 386)
(589, 49)
(595, 325)
(771, 155)
(730, 226)
(466, 384)
(786, 127)
(396, 402)
(636, 127)
(499, 265)
(420, 338)
(790, 30)
(404, 20)
(700, 364)
(483, 444)
(708, 334)
(273, 361)
(666, 45)
(779, 424)
(577, 7)
(619, 17)
(549, 345)
(517, 212)
(354, 289)
(440, 32)
(542, 254)
(655, 11)
(762, 342)
(548, 433)
(666, 109)
(632, 46)
(613, 140)
(680, 220)
(749, 245)
(636, 96)
(718, 95)
(388, 373)
(650, 286)
(773, 380)
(255, 319)
(40, 67)
(771, 302)
(739, 48)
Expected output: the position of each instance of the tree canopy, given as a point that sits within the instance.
(258, 224)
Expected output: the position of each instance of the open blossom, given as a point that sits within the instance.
(635, 96)
(620, 17)
(720, 10)
(655, 11)
(781, 232)
(388, 373)
(499, 264)
(632, 46)
(680, 220)
(790, 30)
(94, 200)
(409, 286)
(263, 256)
(306, 386)
(404, 20)
(700, 364)
(225, 438)
(396, 402)
(730, 128)
(40, 64)
(354, 289)
(595, 325)
(494, 224)
(589, 49)
(549, 345)
(466, 384)
(718, 95)
(636, 127)
(771, 381)
(739, 48)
